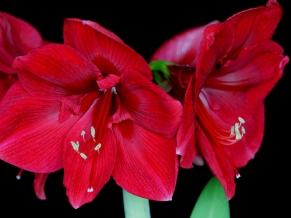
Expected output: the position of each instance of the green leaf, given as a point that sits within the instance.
(162, 67)
(212, 202)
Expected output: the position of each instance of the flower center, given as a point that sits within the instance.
(91, 146)
(179, 80)
(218, 135)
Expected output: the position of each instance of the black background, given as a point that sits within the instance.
(264, 187)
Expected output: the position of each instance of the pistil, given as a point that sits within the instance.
(90, 147)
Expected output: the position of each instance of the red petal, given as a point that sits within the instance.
(97, 45)
(54, 71)
(217, 162)
(182, 48)
(186, 133)
(147, 103)
(245, 149)
(97, 167)
(17, 37)
(214, 47)
(27, 125)
(255, 25)
(39, 183)
(246, 81)
(146, 163)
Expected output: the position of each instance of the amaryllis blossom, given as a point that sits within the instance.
(222, 73)
(17, 37)
(90, 106)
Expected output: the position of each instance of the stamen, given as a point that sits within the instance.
(18, 176)
(84, 156)
(238, 130)
(97, 147)
(241, 120)
(93, 133)
(83, 135)
(218, 135)
(75, 145)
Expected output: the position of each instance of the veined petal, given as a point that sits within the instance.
(182, 48)
(98, 28)
(55, 71)
(84, 177)
(17, 37)
(214, 47)
(26, 125)
(255, 25)
(148, 159)
(108, 53)
(246, 148)
(246, 81)
(39, 183)
(147, 103)
(217, 162)
(186, 140)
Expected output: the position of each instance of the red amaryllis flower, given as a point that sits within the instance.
(233, 66)
(90, 106)
(17, 37)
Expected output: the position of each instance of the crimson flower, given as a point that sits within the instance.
(90, 106)
(223, 71)
(17, 37)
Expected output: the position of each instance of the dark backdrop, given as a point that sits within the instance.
(263, 188)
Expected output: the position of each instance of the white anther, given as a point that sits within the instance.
(84, 156)
(75, 145)
(243, 130)
(93, 132)
(238, 136)
(97, 147)
(241, 120)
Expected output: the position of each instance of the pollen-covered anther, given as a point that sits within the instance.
(113, 90)
(84, 156)
(97, 147)
(238, 130)
(90, 189)
(75, 145)
(93, 133)
(237, 176)
(89, 144)
(83, 135)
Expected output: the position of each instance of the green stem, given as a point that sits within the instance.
(135, 206)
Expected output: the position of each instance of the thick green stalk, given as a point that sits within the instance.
(135, 206)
